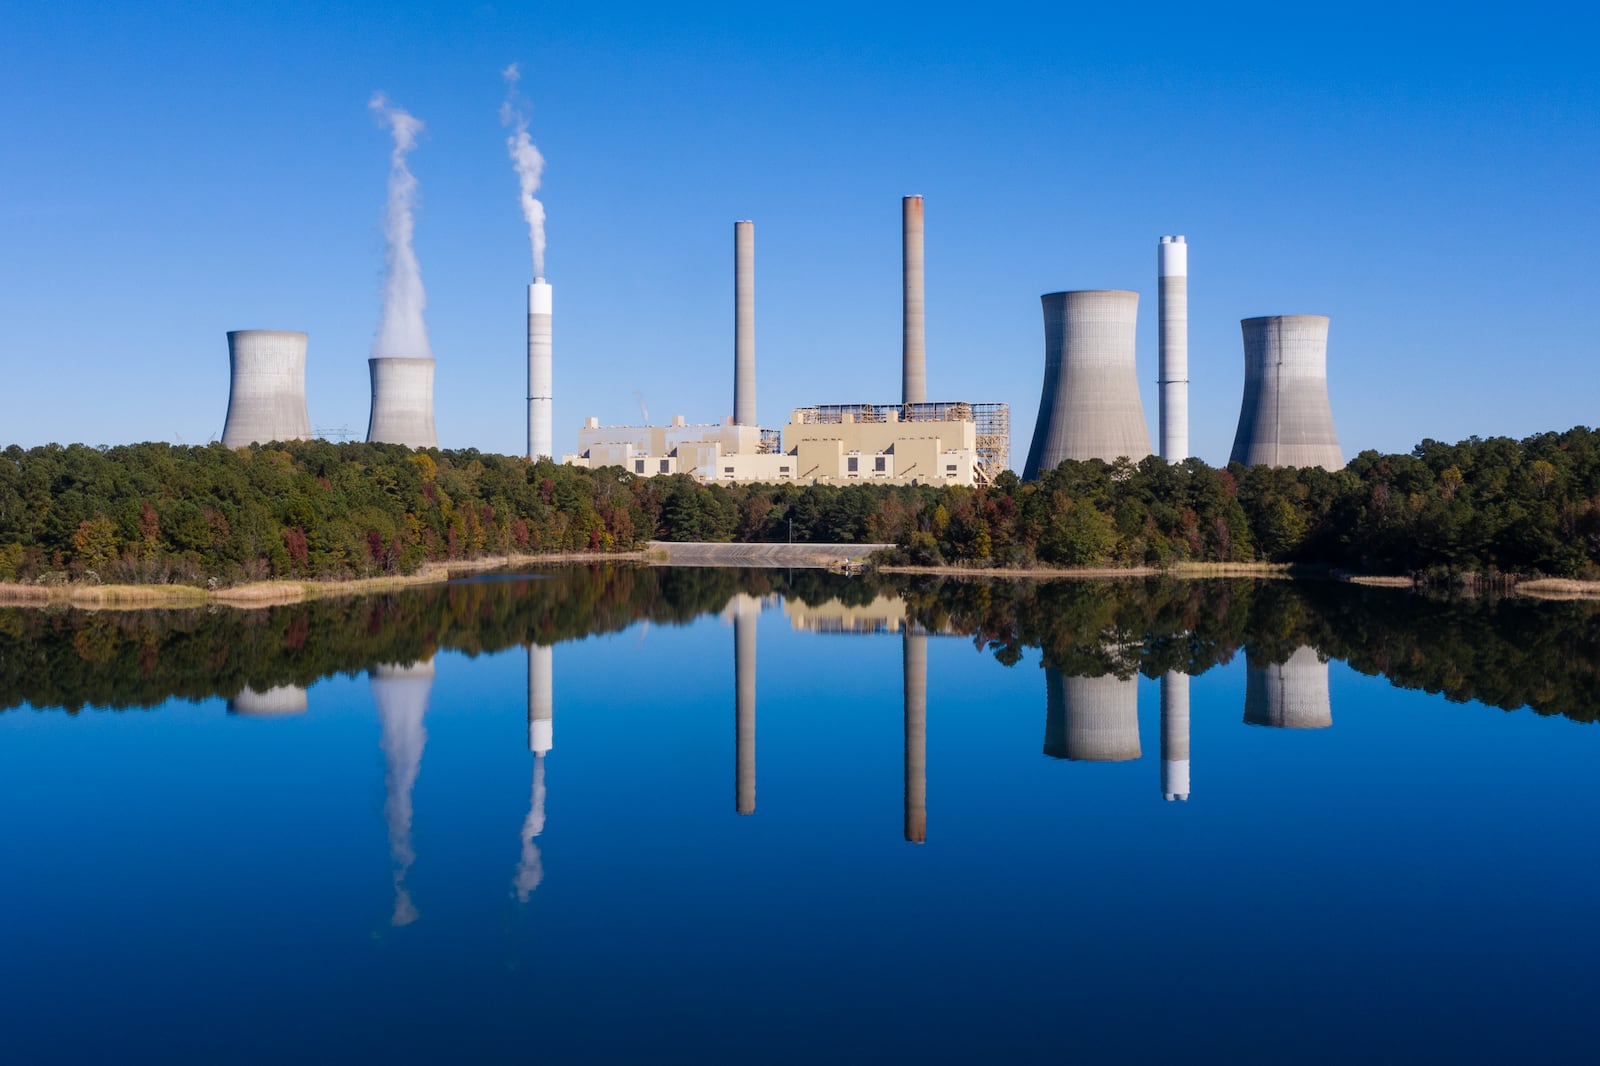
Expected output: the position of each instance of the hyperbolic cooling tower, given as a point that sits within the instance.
(267, 387)
(402, 402)
(1289, 695)
(279, 699)
(744, 323)
(1172, 268)
(1092, 719)
(1286, 419)
(1090, 406)
(541, 435)
(913, 341)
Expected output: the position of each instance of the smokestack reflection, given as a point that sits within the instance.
(541, 721)
(916, 735)
(746, 610)
(401, 694)
(1175, 735)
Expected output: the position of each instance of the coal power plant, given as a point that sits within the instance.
(266, 387)
(541, 430)
(1286, 419)
(1090, 406)
(402, 402)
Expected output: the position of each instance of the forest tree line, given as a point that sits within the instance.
(162, 513)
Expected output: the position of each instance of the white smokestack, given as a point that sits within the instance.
(528, 163)
(401, 331)
(541, 433)
(1172, 268)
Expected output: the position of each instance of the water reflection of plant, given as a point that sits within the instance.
(1505, 652)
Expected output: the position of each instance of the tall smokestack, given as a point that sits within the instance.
(1172, 267)
(744, 324)
(266, 387)
(913, 344)
(541, 439)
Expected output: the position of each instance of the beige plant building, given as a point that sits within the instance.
(913, 442)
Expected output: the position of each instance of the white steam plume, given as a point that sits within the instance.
(401, 331)
(528, 163)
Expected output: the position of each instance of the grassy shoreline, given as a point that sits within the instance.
(277, 593)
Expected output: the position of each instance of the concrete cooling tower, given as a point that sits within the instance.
(541, 434)
(744, 324)
(402, 402)
(1091, 719)
(1286, 419)
(1090, 406)
(266, 388)
(1291, 695)
(1172, 268)
(280, 699)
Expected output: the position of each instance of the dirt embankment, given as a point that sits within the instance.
(275, 593)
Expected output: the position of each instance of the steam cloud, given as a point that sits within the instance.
(401, 331)
(528, 163)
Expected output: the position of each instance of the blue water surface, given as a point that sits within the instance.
(187, 884)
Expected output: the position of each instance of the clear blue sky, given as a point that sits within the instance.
(169, 172)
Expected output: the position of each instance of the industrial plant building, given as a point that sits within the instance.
(913, 442)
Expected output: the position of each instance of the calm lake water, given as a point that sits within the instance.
(633, 815)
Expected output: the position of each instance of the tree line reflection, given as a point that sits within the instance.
(1507, 653)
